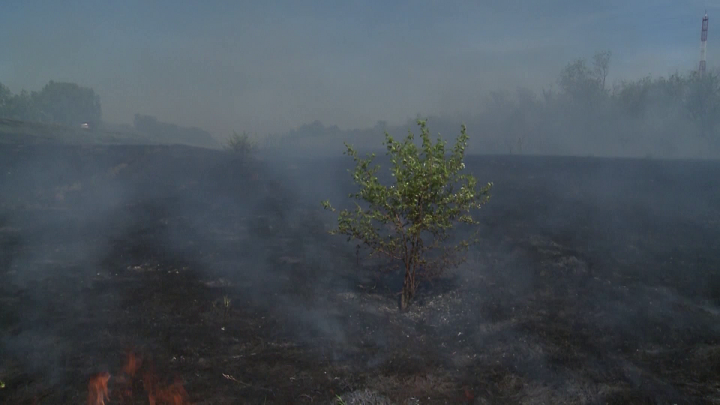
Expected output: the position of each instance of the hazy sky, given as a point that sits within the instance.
(266, 66)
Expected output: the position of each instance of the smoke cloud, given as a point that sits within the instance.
(268, 67)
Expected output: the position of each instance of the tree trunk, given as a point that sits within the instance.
(408, 289)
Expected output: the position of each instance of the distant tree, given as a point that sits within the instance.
(632, 97)
(21, 106)
(5, 99)
(549, 95)
(67, 103)
(601, 66)
(410, 220)
(241, 144)
(16, 106)
(579, 82)
(703, 101)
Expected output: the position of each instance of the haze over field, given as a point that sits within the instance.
(267, 67)
(123, 227)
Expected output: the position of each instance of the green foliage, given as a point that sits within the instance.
(409, 221)
(241, 144)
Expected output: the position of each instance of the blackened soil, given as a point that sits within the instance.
(596, 281)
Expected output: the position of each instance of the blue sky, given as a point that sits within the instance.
(267, 66)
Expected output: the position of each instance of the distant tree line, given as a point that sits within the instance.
(71, 104)
(57, 103)
(670, 116)
(582, 114)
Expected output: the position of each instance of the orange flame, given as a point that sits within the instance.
(98, 389)
(132, 365)
(174, 394)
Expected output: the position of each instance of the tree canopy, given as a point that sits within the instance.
(56, 103)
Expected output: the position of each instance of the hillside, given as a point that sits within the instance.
(24, 132)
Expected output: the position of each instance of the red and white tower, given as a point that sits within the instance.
(703, 43)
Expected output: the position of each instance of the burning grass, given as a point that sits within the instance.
(134, 382)
(98, 389)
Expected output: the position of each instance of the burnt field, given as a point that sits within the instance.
(192, 276)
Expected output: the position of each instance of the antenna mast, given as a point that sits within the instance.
(703, 44)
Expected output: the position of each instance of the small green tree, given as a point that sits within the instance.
(409, 220)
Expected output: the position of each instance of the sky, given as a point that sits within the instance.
(268, 66)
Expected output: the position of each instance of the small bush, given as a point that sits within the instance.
(241, 144)
(409, 221)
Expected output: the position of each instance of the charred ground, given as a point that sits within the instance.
(596, 281)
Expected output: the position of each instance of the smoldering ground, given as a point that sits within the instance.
(595, 280)
(78, 218)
